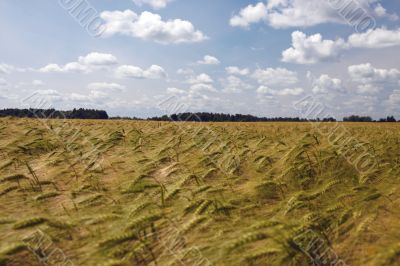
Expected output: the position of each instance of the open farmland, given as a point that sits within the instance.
(149, 193)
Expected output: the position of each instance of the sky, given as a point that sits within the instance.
(153, 57)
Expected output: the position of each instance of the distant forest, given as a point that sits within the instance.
(52, 113)
(190, 117)
(215, 117)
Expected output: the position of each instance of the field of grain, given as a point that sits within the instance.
(148, 193)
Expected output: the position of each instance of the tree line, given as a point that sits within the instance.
(356, 118)
(52, 113)
(82, 113)
(218, 117)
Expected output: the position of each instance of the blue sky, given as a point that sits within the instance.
(256, 57)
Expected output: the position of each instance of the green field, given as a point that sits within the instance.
(149, 193)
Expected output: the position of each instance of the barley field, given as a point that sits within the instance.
(83, 192)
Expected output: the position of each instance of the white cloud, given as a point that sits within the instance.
(381, 12)
(234, 70)
(98, 95)
(6, 69)
(297, 13)
(312, 49)
(275, 76)
(175, 91)
(326, 84)
(372, 80)
(301, 13)
(280, 78)
(250, 14)
(361, 104)
(209, 60)
(75, 67)
(52, 68)
(199, 86)
(233, 84)
(368, 89)
(294, 92)
(49, 95)
(156, 4)
(375, 38)
(153, 72)
(107, 87)
(84, 64)
(366, 73)
(394, 100)
(98, 59)
(202, 87)
(95, 97)
(264, 90)
(149, 26)
(202, 78)
(76, 97)
(72, 67)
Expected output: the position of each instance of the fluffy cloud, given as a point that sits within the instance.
(326, 84)
(51, 68)
(175, 91)
(98, 59)
(72, 67)
(153, 72)
(381, 12)
(49, 96)
(104, 86)
(375, 38)
(85, 64)
(149, 26)
(366, 73)
(200, 84)
(202, 87)
(361, 104)
(275, 76)
(156, 4)
(372, 80)
(198, 91)
(312, 49)
(76, 97)
(394, 100)
(264, 90)
(278, 78)
(6, 69)
(300, 13)
(369, 88)
(99, 95)
(233, 84)
(250, 14)
(233, 70)
(202, 78)
(93, 98)
(209, 60)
